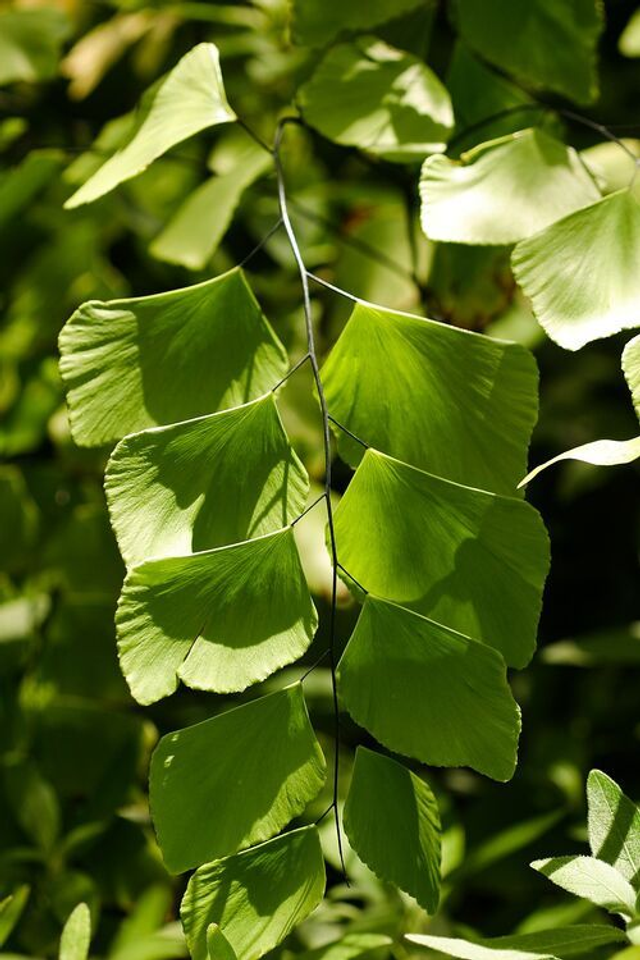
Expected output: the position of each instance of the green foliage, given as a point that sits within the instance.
(76, 934)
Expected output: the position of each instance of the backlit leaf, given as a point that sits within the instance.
(137, 363)
(256, 897)
(631, 368)
(601, 453)
(218, 947)
(176, 489)
(614, 826)
(562, 942)
(580, 273)
(591, 879)
(234, 780)
(473, 400)
(486, 574)
(76, 935)
(391, 819)
(191, 98)
(372, 96)
(503, 190)
(429, 693)
(217, 620)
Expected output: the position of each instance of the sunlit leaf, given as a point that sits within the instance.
(485, 577)
(430, 693)
(631, 368)
(391, 819)
(176, 489)
(189, 99)
(218, 947)
(591, 879)
(267, 765)
(601, 453)
(503, 190)
(217, 620)
(132, 364)
(76, 934)
(580, 273)
(614, 825)
(372, 96)
(550, 45)
(629, 41)
(256, 897)
(562, 942)
(473, 400)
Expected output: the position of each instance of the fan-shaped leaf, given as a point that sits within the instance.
(580, 273)
(591, 879)
(76, 935)
(132, 364)
(204, 483)
(601, 453)
(234, 780)
(631, 368)
(614, 826)
(563, 942)
(189, 99)
(218, 620)
(428, 692)
(473, 400)
(549, 43)
(256, 897)
(469, 559)
(503, 190)
(391, 819)
(370, 95)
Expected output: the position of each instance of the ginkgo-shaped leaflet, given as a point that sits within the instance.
(234, 780)
(204, 483)
(141, 362)
(256, 897)
(191, 98)
(218, 620)
(503, 190)
(472, 400)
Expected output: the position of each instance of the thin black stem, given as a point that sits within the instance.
(323, 815)
(331, 286)
(326, 432)
(307, 510)
(290, 372)
(351, 577)
(254, 136)
(601, 129)
(258, 247)
(316, 663)
(348, 432)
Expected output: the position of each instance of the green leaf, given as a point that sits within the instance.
(316, 22)
(194, 233)
(218, 947)
(551, 45)
(256, 897)
(391, 819)
(614, 826)
(137, 363)
(563, 942)
(631, 369)
(431, 694)
(600, 453)
(76, 935)
(369, 95)
(629, 41)
(474, 399)
(469, 559)
(503, 190)
(218, 620)
(191, 98)
(30, 43)
(351, 946)
(175, 489)
(592, 880)
(580, 272)
(268, 766)
(11, 908)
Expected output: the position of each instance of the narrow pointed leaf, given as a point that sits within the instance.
(591, 879)
(132, 364)
(392, 821)
(429, 693)
(614, 826)
(553, 47)
(600, 453)
(256, 897)
(191, 98)
(468, 559)
(234, 780)
(473, 399)
(631, 368)
(563, 942)
(369, 95)
(11, 909)
(76, 935)
(580, 273)
(204, 483)
(503, 190)
(218, 620)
